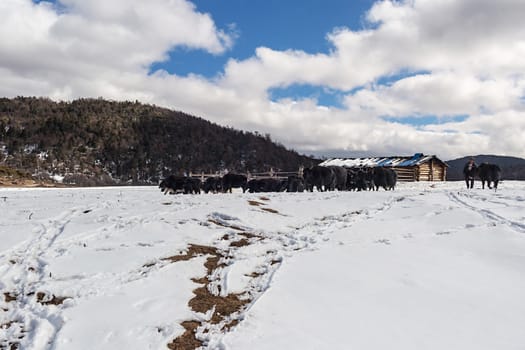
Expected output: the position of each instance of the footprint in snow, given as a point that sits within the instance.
(383, 241)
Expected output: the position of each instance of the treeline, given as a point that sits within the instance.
(102, 141)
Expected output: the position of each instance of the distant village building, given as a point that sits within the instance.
(418, 167)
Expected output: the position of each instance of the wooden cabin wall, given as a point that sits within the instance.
(406, 174)
(425, 172)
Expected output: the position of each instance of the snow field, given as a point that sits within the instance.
(428, 266)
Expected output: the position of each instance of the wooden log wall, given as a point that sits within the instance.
(406, 174)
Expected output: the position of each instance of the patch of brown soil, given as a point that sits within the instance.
(204, 301)
(250, 235)
(255, 203)
(270, 210)
(224, 306)
(193, 251)
(240, 243)
(187, 340)
(45, 299)
(264, 198)
(9, 296)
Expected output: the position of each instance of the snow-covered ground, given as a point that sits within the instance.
(428, 266)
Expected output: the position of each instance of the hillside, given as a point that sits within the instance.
(513, 168)
(95, 141)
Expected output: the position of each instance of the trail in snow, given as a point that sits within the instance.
(106, 249)
(472, 202)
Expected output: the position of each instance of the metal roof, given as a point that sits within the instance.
(396, 161)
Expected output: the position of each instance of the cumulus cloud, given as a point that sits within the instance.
(413, 58)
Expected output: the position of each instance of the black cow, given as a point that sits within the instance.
(212, 184)
(369, 179)
(340, 175)
(172, 184)
(360, 180)
(386, 178)
(192, 186)
(295, 184)
(391, 179)
(230, 181)
(489, 173)
(266, 185)
(351, 180)
(321, 177)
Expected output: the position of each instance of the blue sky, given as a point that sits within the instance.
(280, 25)
(324, 77)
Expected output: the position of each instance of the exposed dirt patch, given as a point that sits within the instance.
(240, 243)
(188, 340)
(255, 203)
(9, 296)
(264, 198)
(204, 301)
(10, 177)
(270, 210)
(193, 251)
(52, 299)
(250, 235)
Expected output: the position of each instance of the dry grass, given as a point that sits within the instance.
(204, 301)
(193, 251)
(188, 339)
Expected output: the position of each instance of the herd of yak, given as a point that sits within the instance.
(319, 177)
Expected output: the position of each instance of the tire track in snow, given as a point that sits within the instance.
(486, 213)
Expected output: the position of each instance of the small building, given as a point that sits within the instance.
(418, 167)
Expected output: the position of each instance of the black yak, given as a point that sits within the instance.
(230, 181)
(321, 177)
(489, 173)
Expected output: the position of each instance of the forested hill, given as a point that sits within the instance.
(512, 168)
(98, 141)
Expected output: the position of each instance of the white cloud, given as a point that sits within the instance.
(470, 52)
